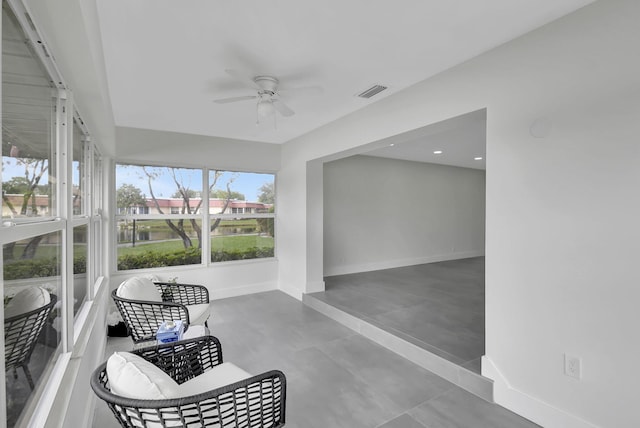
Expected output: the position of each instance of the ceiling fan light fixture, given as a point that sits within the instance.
(265, 108)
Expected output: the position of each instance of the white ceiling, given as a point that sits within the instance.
(460, 139)
(166, 60)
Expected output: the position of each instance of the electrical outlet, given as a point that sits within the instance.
(572, 366)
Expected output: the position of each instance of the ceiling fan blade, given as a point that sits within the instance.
(302, 91)
(243, 78)
(234, 99)
(282, 108)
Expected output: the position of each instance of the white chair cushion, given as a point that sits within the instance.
(134, 377)
(222, 375)
(198, 314)
(27, 300)
(139, 288)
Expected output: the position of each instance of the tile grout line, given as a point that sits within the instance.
(455, 379)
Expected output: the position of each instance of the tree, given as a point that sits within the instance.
(224, 194)
(129, 196)
(34, 170)
(267, 193)
(190, 193)
(16, 186)
(186, 194)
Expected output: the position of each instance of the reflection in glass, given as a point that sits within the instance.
(242, 239)
(27, 107)
(32, 284)
(78, 170)
(156, 243)
(79, 266)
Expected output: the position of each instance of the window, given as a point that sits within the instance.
(164, 223)
(44, 209)
(158, 225)
(79, 266)
(31, 258)
(28, 170)
(31, 268)
(95, 267)
(78, 169)
(242, 215)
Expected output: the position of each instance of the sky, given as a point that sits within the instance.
(247, 183)
(11, 168)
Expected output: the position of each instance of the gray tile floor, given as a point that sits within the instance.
(437, 306)
(335, 378)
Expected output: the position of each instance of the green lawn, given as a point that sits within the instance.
(162, 224)
(229, 243)
(46, 251)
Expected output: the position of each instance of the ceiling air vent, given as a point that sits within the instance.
(375, 89)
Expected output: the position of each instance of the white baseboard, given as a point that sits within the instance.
(242, 290)
(527, 406)
(315, 286)
(390, 264)
(293, 292)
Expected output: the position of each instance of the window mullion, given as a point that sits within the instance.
(64, 141)
(205, 245)
(88, 206)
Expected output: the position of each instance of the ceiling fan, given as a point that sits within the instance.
(268, 95)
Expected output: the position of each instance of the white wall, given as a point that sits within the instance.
(383, 213)
(226, 279)
(154, 147)
(562, 235)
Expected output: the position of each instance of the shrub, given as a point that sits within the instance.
(247, 254)
(31, 268)
(151, 259)
(187, 257)
(45, 267)
(40, 268)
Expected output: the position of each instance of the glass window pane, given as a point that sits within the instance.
(241, 192)
(31, 278)
(27, 110)
(79, 266)
(97, 184)
(242, 239)
(156, 243)
(158, 190)
(78, 170)
(96, 254)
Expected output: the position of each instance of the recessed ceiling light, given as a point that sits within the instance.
(391, 145)
(437, 152)
(478, 158)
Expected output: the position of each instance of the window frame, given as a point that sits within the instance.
(201, 214)
(62, 221)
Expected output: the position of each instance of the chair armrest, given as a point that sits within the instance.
(21, 333)
(186, 294)
(259, 399)
(143, 318)
(185, 359)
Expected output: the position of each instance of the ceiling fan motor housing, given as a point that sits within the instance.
(267, 83)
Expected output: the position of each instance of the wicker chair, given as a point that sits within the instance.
(256, 402)
(143, 317)
(21, 334)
